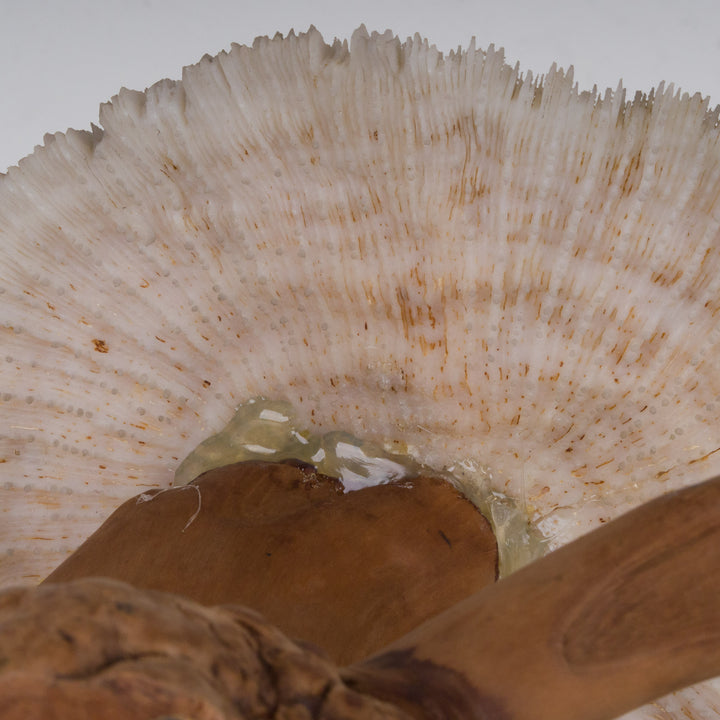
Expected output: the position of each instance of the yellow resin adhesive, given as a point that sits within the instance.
(264, 429)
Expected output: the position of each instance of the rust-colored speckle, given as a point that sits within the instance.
(100, 346)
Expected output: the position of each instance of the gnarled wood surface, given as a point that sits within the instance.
(98, 648)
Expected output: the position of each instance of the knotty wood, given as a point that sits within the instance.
(610, 622)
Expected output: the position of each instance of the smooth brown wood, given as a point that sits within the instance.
(349, 572)
(606, 624)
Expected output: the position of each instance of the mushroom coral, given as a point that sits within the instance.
(510, 279)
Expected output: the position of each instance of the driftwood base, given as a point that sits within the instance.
(350, 572)
(97, 648)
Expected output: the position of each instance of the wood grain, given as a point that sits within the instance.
(606, 624)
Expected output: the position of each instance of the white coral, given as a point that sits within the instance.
(431, 250)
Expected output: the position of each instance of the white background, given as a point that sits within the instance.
(60, 60)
